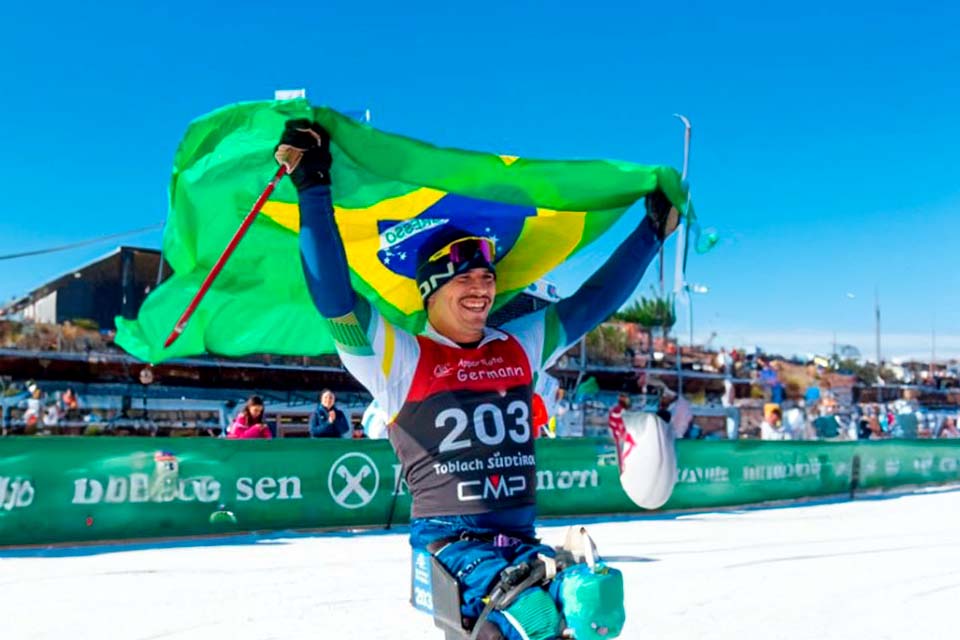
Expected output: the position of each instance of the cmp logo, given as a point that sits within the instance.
(353, 480)
(495, 487)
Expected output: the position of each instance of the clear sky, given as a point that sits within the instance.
(824, 149)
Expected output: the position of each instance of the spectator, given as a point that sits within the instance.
(540, 416)
(681, 419)
(249, 424)
(864, 430)
(358, 433)
(69, 400)
(327, 421)
(771, 428)
(622, 439)
(374, 421)
(724, 362)
(948, 429)
(729, 402)
(31, 417)
(568, 423)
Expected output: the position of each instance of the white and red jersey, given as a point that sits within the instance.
(460, 418)
(465, 434)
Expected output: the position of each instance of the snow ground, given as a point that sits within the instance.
(879, 567)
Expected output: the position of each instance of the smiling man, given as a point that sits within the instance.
(459, 394)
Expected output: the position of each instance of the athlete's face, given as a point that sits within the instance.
(459, 309)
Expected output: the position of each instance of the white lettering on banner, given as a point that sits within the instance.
(265, 489)
(550, 480)
(494, 487)
(891, 467)
(870, 467)
(948, 465)
(15, 493)
(139, 487)
(781, 471)
(400, 486)
(290, 488)
(694, 475)
(136, 488)
(116, 490)
(923, 465)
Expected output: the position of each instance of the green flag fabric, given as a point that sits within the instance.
(390, 193)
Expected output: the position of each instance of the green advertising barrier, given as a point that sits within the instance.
(93, 489)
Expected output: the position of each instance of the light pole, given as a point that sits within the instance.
(689, 289)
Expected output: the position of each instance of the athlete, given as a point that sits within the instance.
(459, 394)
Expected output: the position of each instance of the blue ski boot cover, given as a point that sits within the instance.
(533, 615)
(591, 599)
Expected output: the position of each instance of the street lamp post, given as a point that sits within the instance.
(693, 288)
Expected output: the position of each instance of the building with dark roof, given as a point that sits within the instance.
(113, 285)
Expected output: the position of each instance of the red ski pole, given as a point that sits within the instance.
(222, 260)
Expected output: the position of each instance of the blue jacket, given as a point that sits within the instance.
(321, 427)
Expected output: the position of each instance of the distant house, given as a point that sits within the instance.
(113, 285)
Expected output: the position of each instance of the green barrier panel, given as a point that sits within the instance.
(87, 489)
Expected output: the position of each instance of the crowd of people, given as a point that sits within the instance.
(868, 421)
(557, 414)
(327, 420)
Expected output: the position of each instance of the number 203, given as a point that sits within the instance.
(488, 424)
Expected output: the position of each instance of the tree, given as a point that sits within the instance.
(650, 313)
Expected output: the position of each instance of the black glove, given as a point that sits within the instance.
(661, 211)
(304, 149)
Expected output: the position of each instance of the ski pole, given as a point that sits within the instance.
(218, 267)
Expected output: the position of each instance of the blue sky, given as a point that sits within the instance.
(823, 152)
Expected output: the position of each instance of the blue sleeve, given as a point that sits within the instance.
(314, 425)
(322, 255)
(607, 289)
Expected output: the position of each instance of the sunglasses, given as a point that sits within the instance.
(466, 249)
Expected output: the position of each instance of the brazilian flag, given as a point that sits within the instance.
(390, 193)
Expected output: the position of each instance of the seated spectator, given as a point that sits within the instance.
(249, 423)
(327, 421)
(772, 428)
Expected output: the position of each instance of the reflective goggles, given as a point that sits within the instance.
(466, 249)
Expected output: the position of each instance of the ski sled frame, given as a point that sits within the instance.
(434, 591)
